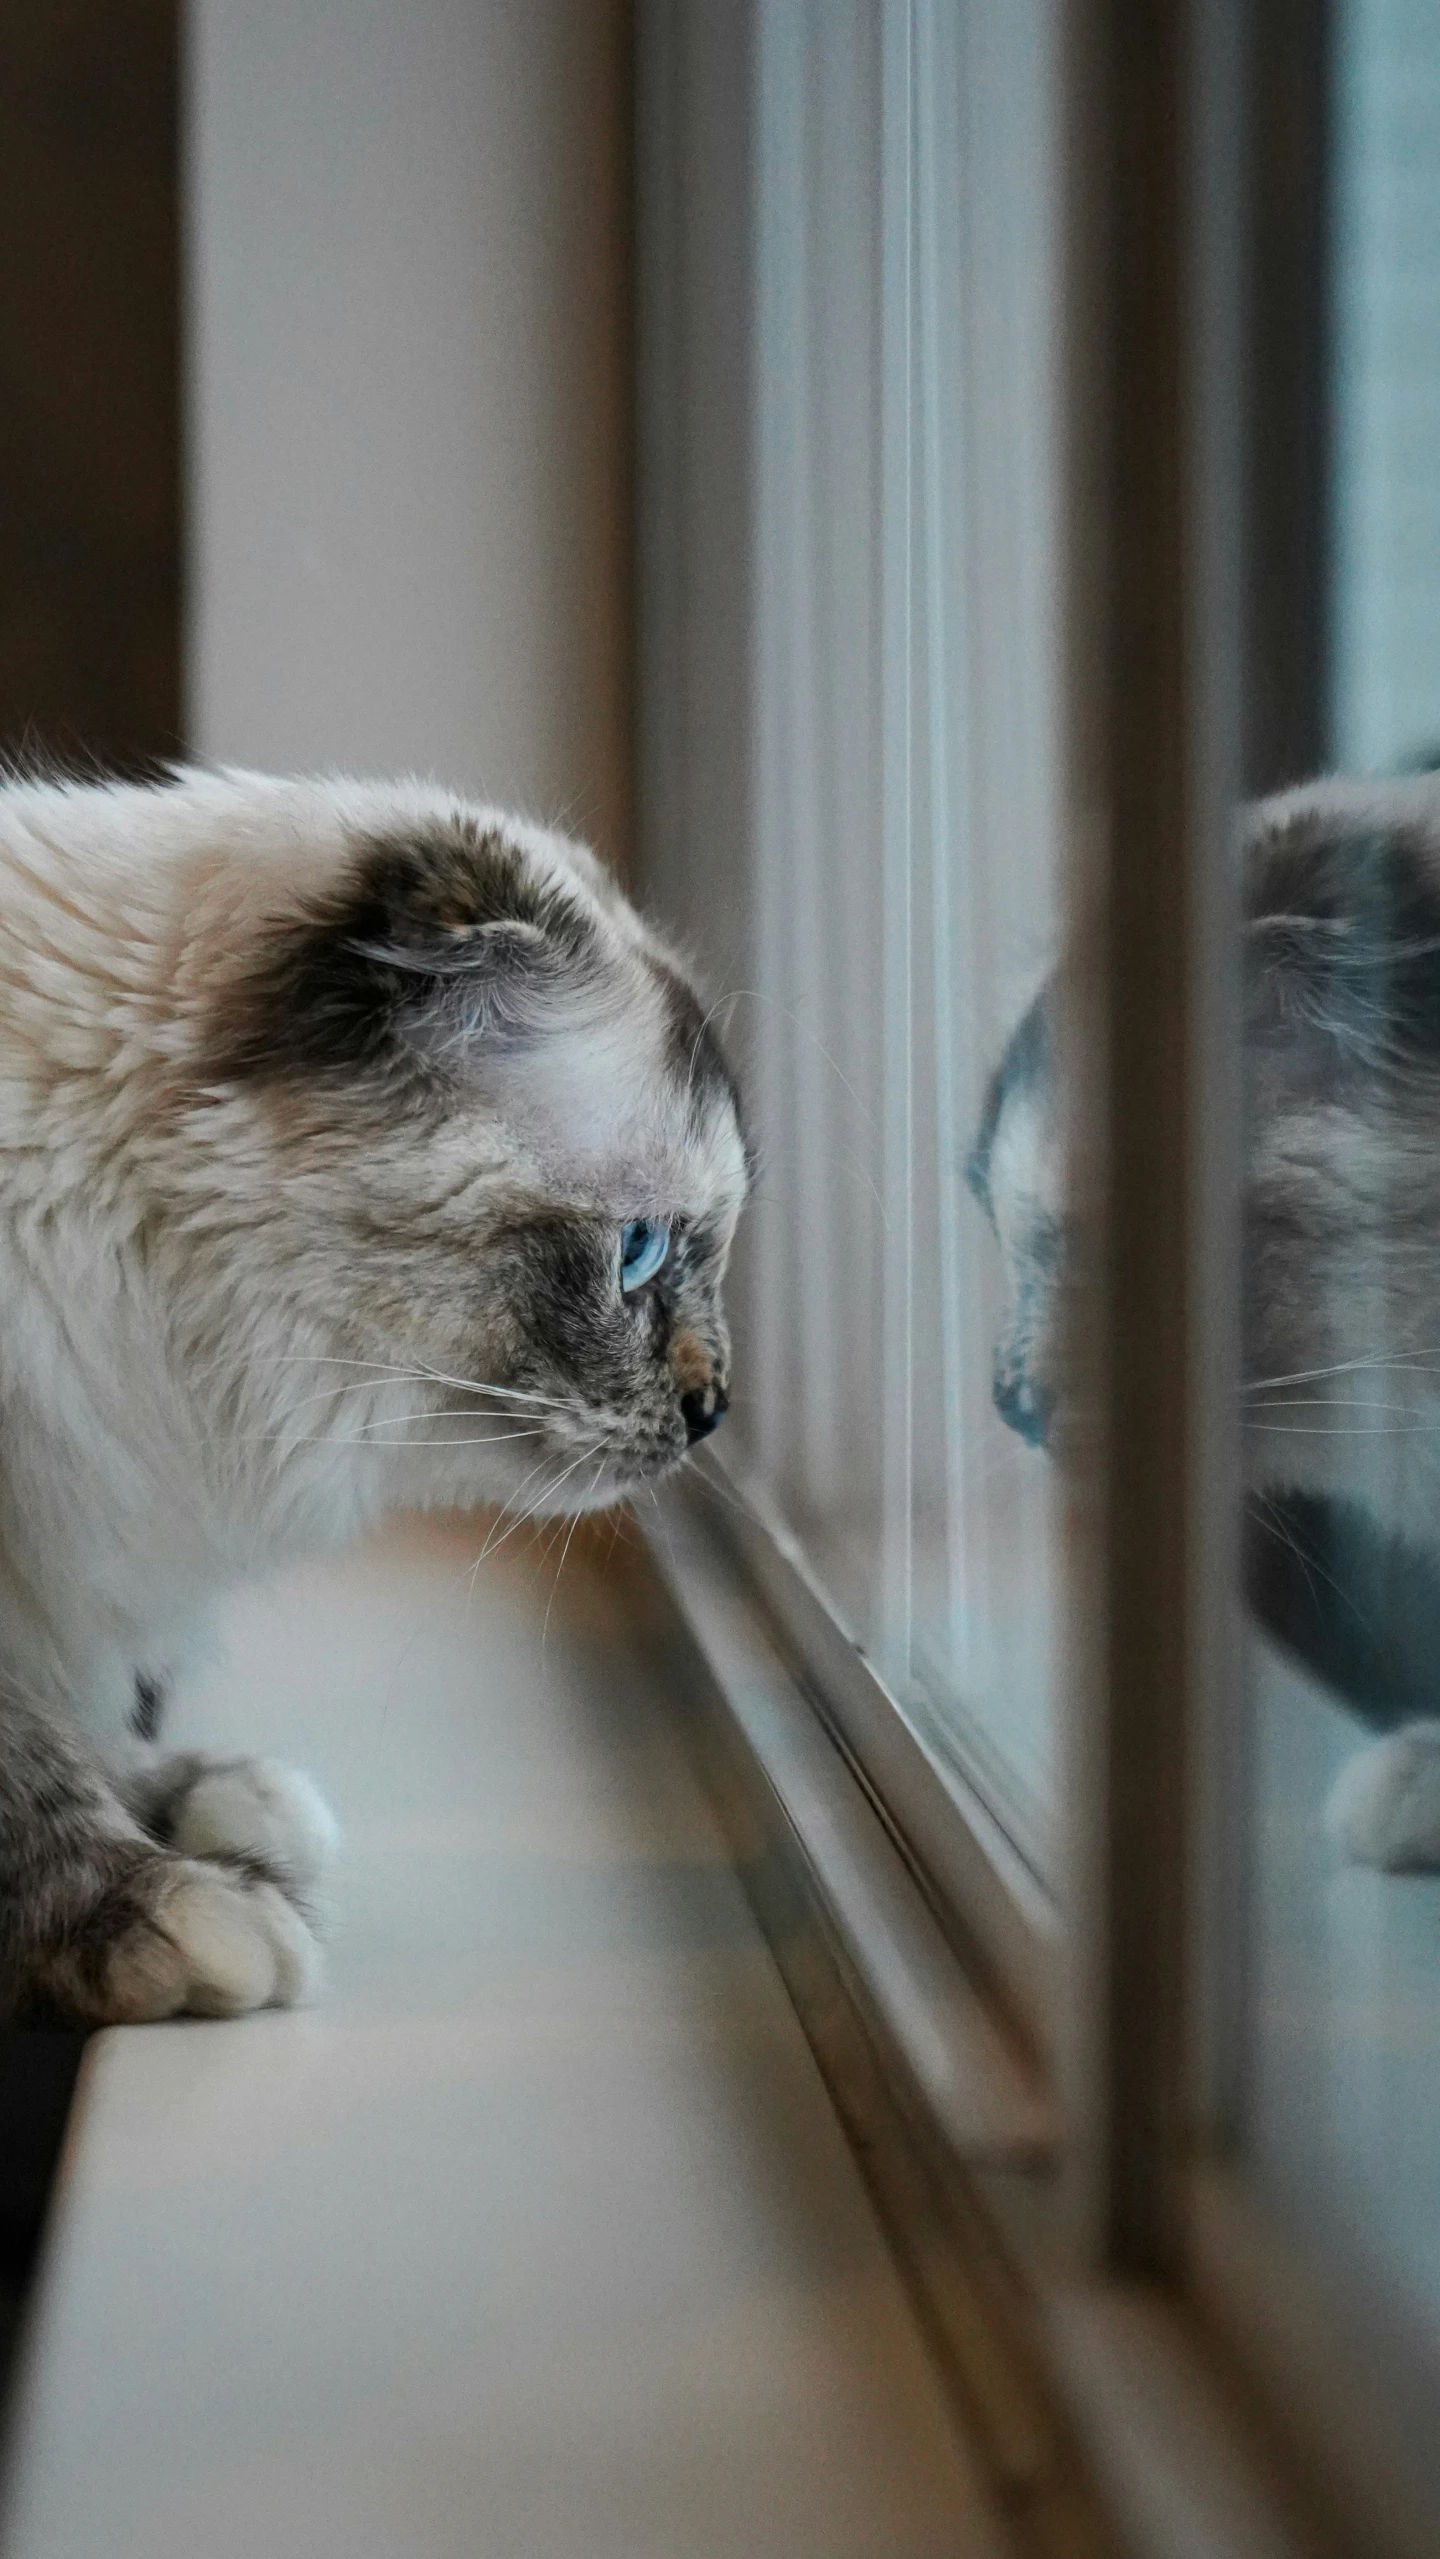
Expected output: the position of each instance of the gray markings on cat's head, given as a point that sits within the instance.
(1342, 941)
(1342, 1142)
(426, 941)
(476, 1065)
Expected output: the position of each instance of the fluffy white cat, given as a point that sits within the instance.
(359, 1148)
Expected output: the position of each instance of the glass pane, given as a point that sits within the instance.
(906, 604)
(884, 910)
(1340, 2044)
(982, 767)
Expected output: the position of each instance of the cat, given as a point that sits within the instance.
(1341, 1267)
(360, 1148)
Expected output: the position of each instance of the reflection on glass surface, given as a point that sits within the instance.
(906, 602)
(1340, 2080)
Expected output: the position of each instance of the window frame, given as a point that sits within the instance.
(1142, 2245)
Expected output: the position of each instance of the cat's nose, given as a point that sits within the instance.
(1022, 1404)
(703, 1408)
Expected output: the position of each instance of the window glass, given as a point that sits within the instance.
(895, 912)
(1340, 2044)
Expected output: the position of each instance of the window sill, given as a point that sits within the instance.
(538, 2232)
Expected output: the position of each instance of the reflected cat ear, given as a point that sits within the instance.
(1342, 946)
(445, 948)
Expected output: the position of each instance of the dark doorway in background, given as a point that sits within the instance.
(90, 517)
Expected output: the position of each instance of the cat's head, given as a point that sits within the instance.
(1339, 993)
(459, 1115)
(1342, 1138)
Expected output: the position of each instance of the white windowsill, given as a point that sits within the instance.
(540, 2234)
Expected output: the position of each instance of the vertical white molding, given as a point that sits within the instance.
(793, 302)
(944, 440)
(663, 290)
(896, 521)
(782, 740)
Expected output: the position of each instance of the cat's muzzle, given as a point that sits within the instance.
(1022, 1402)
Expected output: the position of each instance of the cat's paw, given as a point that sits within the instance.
(1384, 1807)
(179, 1936)
(257, 1808)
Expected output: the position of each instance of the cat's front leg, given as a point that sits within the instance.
(104, 1925)
(1384, 1807)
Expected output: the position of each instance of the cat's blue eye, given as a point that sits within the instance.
(644, 1244)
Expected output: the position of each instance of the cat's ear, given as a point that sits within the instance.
(1342, 944)
(467, 991)
(450, 949)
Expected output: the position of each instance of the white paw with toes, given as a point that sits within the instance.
(242, 1945)
(205, 1944)
(259, 1808)
(1384, 1807)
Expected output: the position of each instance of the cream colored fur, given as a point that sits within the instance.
(229, 1313)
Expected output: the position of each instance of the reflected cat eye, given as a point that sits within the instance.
(644, 1243)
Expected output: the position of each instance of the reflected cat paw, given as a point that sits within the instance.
(1384, 1807)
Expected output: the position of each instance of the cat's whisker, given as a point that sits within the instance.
(1284, 1530)
(478, 1439)
(620, 1512)
(564, 1551)
(351, 1386)
(1338, 1430)
(547, 1495)
(583, 1459)
(393, 1372)
(476, 1386)
(387, 1421)
(327, 1439)
(1337, 1404)
(503, 1512)
(492, 1542)
(758, 995)
(709, 1476)
(769, 1166)
(380, 1386)
(1263, 1506)
(1416, 1359)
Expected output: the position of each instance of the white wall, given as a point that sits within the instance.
(409, 393)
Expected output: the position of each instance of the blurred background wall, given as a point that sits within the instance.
(408, 401)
